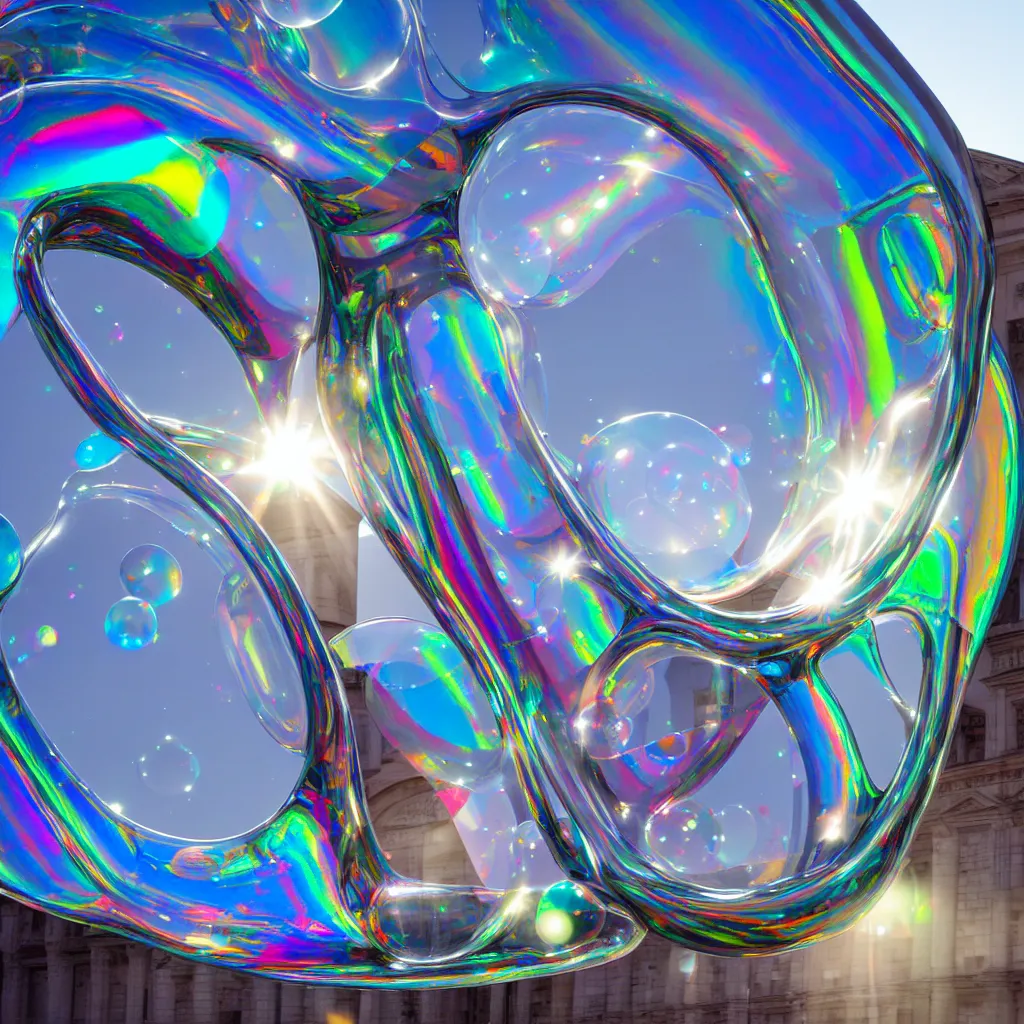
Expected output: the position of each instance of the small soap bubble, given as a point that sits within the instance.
(670, 489)
(169, 769)
(10, 555)
(299, 13)
(131, 624)
(98, 308)
(117, 333)
(737, 835)
(567, 914)
(97, 451)
(151, 573)
(684, 837)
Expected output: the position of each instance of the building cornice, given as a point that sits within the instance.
(1001, 179)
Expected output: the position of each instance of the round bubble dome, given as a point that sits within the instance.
(636, 373)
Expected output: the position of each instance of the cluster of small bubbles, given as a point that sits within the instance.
(169, 769)
(10, 555)
(670, 489)
(97, 451)
(152, 577)
(684, 837)
(151, 573)
(131, 624)
(116, 333)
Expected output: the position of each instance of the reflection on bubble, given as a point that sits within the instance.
(10, 555)
(262, 661)
(739, 441)
(568, 914)
(423, 697)
(131, 624)
(197, 862)
(299, 13)
(737, 835)
(532, 863)
(563, 191)
(97, 451)
(151, 573)
(169, 769)
(46, 637)
(670, 490)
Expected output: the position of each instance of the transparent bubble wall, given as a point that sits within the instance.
(635, 697)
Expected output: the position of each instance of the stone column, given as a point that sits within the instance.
(60, 979)
(12, 1002)
(435, 1005)
(161, 990)
(135, 984)
(499, 998)
(1001, 1005)
(99, 985)
(737, 990)
(264, 1001)
(204, 994)
(945, 865)
(368, 1009)
(291, 1004)
(319, 1002)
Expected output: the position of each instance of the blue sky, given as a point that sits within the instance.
(970, 56)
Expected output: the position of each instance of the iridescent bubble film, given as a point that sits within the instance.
(689, 659)
(131, 623)
(151, 573)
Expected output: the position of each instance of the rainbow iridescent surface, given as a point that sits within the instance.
(618, 627)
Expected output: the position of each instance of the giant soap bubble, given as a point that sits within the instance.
(627, 702)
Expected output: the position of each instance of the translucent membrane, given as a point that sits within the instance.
(634, 683)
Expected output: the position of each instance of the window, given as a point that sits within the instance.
(973, 726)
(969, 743)
(1015, 333)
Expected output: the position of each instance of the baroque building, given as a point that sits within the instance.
(945, 946)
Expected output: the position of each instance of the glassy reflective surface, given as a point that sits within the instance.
(649, 349)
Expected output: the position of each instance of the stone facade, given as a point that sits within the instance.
(945, 946)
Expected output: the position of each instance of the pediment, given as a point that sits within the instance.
(1000, 178)
(969, 807)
